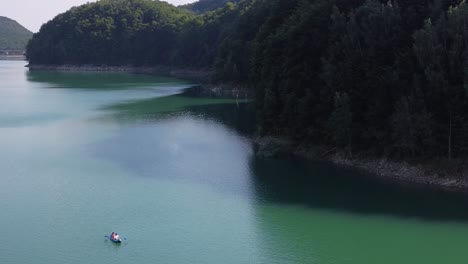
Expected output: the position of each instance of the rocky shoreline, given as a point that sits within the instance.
(417, 173)
(402, 171)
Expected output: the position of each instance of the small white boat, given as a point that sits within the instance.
(114, 239)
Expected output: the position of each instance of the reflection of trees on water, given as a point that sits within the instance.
(325, 186)
(98, 80)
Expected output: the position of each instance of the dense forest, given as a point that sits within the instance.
(13, 36)
(386, 78)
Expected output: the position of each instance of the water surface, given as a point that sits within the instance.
(84, 154)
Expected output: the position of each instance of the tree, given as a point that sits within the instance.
(441, 50)
(411, 127)
(340, 122)
(361, 61)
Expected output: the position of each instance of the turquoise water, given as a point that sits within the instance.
(86, 154)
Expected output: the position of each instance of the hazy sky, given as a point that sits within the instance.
(33, 13)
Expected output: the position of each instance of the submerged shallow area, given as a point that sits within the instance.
(84, 154)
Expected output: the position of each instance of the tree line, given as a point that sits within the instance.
(378, 77)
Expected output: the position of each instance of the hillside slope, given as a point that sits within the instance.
(111, 32)
(12, 35)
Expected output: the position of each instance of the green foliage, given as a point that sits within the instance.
(286, 61)
(411, 128)
(442, 50)
(112, 32)
(13, 36)
(340, 121)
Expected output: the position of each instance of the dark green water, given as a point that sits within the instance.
(82, 155)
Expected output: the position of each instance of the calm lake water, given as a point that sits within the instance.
(82, 155)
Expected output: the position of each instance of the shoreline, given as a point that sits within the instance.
(269, 147)
(419, 174)
(13, 57)
(203, 75)
(403, 172)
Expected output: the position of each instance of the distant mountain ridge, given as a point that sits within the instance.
(13, 36)
(203, 6)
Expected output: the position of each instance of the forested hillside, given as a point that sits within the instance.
(387, 78)
(13, 36)
(112, 32)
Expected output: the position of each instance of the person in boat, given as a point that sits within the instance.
(116, 236)
(113, 235)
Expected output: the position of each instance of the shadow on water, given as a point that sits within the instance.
(98, 80)
(183, 137)
(235, 114)
(239, 117)
(325, 186)
(289, 181)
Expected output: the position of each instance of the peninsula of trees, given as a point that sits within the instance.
(386, 78)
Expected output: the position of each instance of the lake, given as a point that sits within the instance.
(85, 154)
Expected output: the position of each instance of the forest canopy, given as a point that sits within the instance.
(380, 77)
